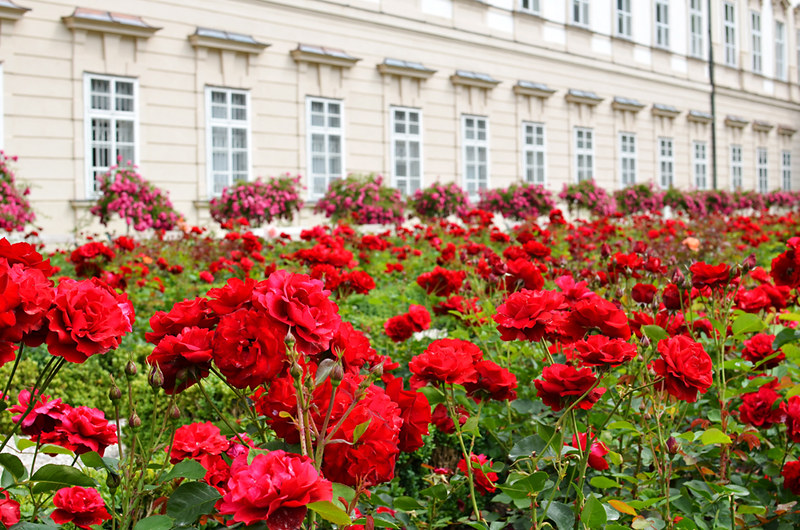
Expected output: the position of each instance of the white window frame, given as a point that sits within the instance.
(584, 155)
(729, 33)
(114, 117)
(529, 6)
(737, 167)
(700, 164)
(661, 17)
(405, 139)
(229, 124)
(695, 28)
(627, 158)
(623, 20)
(534, 153)
(328, 132)
(473, 185)
(780, 50)
(756, 42)
(581, 9)
(666, 163)
(797, 40)
(786, 170)
(762, 170)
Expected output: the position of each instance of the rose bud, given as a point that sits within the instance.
(156, 377)
(131, 369)
(749, 263)
(337, 374)
(672, 445)
(113, 480)
(114, 394)
(174, 412)
(135, 421)
(296, 370)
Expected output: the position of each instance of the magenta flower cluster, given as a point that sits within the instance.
(587, 195)
(518, 201)
(440, 200)
(259, 201)
(362, 199)
(15, 210)
(143, 206)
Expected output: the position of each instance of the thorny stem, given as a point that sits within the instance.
(467, 456)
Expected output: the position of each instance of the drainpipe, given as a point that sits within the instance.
(713, 102)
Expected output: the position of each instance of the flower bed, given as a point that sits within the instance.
(258, 202)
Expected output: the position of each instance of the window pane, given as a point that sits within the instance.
(239, 161)
(125, 154)
(334, 145)
(219, 137)
(220, 161)
(317, 143)
(239, 138)
(101, 130)
(124, 131)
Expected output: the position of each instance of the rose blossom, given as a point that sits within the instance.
(9, 510)
(83, 507)
(791, 476)
(685, 367)
(597, 451)
(529, 315)
(183, 360)
(448, 361)
(562, 383)
(483, 480)
(197, 439)
(599, 350)
(759, 347)
(494, 383)
(83, 429)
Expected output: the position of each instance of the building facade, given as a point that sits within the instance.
(479, 92)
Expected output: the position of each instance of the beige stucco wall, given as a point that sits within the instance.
(44, 64)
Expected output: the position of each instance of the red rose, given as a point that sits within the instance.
(530, 315)
(522, 274)
(791, 409)
(26, 295)
(26, 254)
(599, 350)
(713, 276)
(275, 487)
(195, 440)
(206, 277)
(88, 318)
(786, 269)
(82, 429)
(756, 408)
(673, 298)
(597, 451)
(494, 382)
(302, 303)
(399, 328)
(643, 293)
(7, 350)
(597, 314)
(791, 476)
(235, 294)
(9, 510)
(441, 282)
(561, 384)
(419, 317)
(448, 361)
(415, 412)
(249, 348)
(483, 480)
(442, 420)
(44, 417)
(186, 314)
(83, 507)
(183, 359)
(759, 347)
(354, 348)
(360, 282)
(685, 367)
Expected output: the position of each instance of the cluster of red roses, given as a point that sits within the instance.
(401, 327)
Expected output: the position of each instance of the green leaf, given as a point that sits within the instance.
(714, 436)
(525, 447)
(323, 371)
(190, 501)
(561, 514)
(655, 333)
(747, 323)
(604, 483)
(49, 449)
(593, 515)
(758, 510)
(622, 424)
(52, 477)
(94, 460)
(433, 394)
(471, 425)
(154, 522)
(438, 492)
(407, 504)
(785, 336)
(13, 464)
(794, 317)
(360, 429)
(190, 469)
(346, 492)
(330, 512)
(522, 486)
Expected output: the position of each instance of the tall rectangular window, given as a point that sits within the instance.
(762, 170)
(533, 151)
(111, 125)
(580, 12)
(696, 29)
(662, 23)
(786, 170)
(780, 50)
(584, 154)
(627, 158)
(324, 142)
(666, 163)
(700, 164)
(407, 149)
(797, 40)
(531, 6)
(736, 167)
(228, 137)
(755, 40)
(729, 32)
(476, 153)
(624, 18)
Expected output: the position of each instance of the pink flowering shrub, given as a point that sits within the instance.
(439, 200)
(518, 201)
(362, 199)
(782, 199)
(126, 193)
(259, 201)
(638, 198)
(15, 210)
(589, 196)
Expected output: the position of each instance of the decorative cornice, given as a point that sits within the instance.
(736, 122)
(664, 111)
(786, 130)
(108, 22)
(403, 68)
(11, 11)
(583, 97)
(762, 126)
(305, 53)
(627, 104)
(699, 116)
(474, 79)
(226, 40)
(529, 88)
